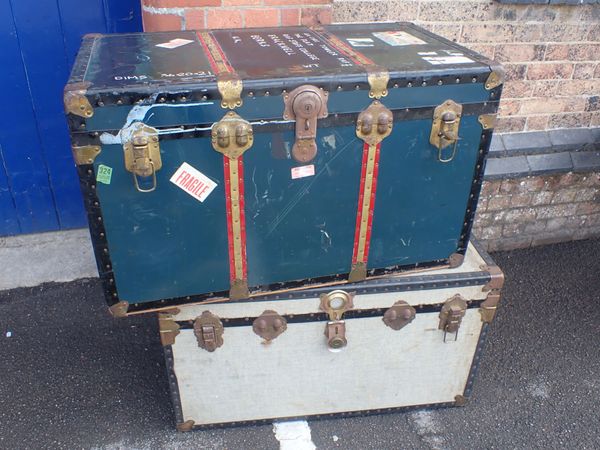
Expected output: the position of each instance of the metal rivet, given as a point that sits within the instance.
(119, 102)
(100, 103)
(267, 93)
(457, 80)
(204, 98)
(161, 100)
(424, 83)
(474, 80)
(409, 85)
(250, 94)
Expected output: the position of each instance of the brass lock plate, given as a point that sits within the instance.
(335, 332)
(269, 325)
(232, 135)
(305, 104)
(375, 123)
(446, 123)
(451, 315)
(336, 303)
(399, 315)
(208, 330)
(142, 150)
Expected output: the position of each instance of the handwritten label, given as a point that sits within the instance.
(104, 174)
(174, 43)
(445, 60)
(193, 182)
(303, 171)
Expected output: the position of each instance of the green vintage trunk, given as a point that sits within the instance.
(165, 247)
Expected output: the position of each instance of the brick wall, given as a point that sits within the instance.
(551, 52)
(163, 15)
(537, 210)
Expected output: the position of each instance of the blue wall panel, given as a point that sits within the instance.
(39, 189)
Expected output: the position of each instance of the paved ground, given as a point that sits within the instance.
(72, 377)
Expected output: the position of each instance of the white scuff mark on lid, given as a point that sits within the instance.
(8, 333)
(293, 435)
(335, 438)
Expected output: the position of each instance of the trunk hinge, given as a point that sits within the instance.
(490, 304)
(378, 79)
(168, 328)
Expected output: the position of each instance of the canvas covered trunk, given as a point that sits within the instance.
(409, 341)
(230, 163)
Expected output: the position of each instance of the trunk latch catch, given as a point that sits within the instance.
(142, 154)
(451, 315)
(444, 130)
(335, 304)
(208, 330)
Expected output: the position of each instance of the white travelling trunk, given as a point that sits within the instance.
(395, 342)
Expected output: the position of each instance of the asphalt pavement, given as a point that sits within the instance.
(73, 377)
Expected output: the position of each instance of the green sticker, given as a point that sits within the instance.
(104, 174)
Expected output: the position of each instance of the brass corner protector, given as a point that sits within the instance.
(76, 101)
(489, 306)
(460, 400)
(119, 310)
(86, 154)
(495, 78)
(496, 278)
(487, 121)
(358, 272)
(239, 290)
(378, 79)
(185, 426)
(455, 260)
(230, 87)
(168, 328)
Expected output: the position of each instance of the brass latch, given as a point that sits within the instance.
(451, 315)
(232, 135)
(444, 131)
(142, 154)
(305, 105)
(269, 325)
(399, 315)
(335, 304)
(208, 330)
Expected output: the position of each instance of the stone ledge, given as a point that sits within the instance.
(548, 2)
(543, 152)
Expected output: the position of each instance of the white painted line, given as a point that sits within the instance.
(293, 435)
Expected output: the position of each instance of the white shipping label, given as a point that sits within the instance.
(361, 42)
(398, 38)
(174, 43)
(442, 60)
(193, 182)
(303, 171)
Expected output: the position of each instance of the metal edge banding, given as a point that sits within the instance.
(173, 384)
(202, 130)
(484, 146)
(476, 360)
(373, 286)
(87, 179)
(368, 412)
(323, 317)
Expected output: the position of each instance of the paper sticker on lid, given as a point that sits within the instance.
(193, 182)
(445, 60)
(303, 171)
(174, 43)
(398, 38)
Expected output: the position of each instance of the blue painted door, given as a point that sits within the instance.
(39, 39)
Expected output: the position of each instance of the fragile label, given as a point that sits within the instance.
(174, 43)
(193, 182)
(303, 171)
(104, 174)
(398, 38)
(443, 60)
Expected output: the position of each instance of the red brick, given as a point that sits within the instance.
(519, 52)
(261, 17)
(315, 16)
(241, 2)
(161, 22)
(180, 3)
(536, 123)
(584, 52)
(549, 71)
(223, 18)
(557, 52)
(488, 33)
(515, 71)
(295, 2)
(579, 87)
(517, 89)
(290, 17)
(194, 19)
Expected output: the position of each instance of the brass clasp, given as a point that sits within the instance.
(444, 130)
(375, 123)
(142, 154)
(208, 330)
(451, 315)
(335, 304)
